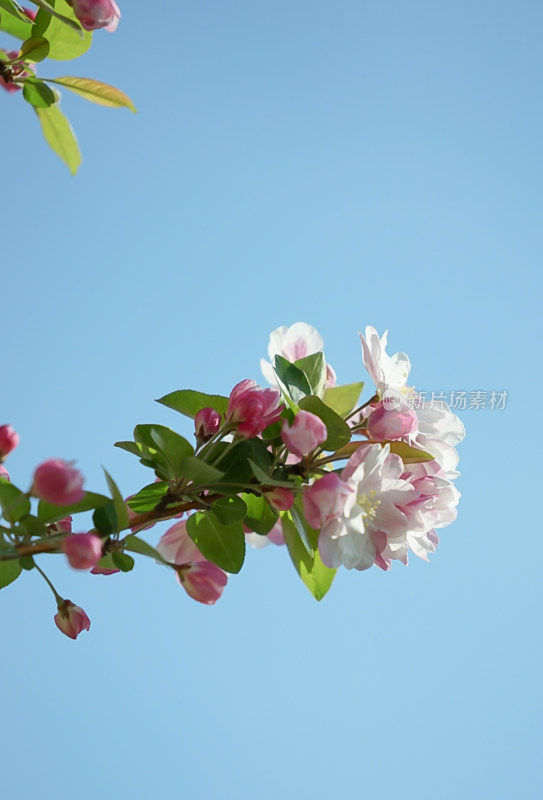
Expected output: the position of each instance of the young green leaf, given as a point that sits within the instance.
(118, 502)
(314, 368)
(9, 572)
(291, 379)
(96, 92)
(260, 515)
(65, 19)
(342, 399)
(148, 498)
(189, 402)
(38, 94)
(66, 42)
(60, 136)
(316, 575)
(223, 545)
(34, 49)
(13, 21)
(15, 504)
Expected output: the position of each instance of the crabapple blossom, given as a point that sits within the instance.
(352, 538)
(206, 424)
(58, 482)
(252, 408)
(438, 429)
(279, 497)
(386, 424)
(71, 619)
(63, 525)
(327, 498)
(83, 550)
(298, 341)
(201, 579)
(4, 473)
(94, 14)
(9, 440)
(305, 434)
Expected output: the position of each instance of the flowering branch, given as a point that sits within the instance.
(60, 30)
(301, 464)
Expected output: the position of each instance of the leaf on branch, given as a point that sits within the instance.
(66, 20)
(34, 49)
(38, 94)
(96, 92)
(59, 136)
(9, 572)
(316, 575)
(66, 42)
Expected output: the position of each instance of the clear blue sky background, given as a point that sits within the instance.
(344, 163)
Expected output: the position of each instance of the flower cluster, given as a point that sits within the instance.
(302, 464)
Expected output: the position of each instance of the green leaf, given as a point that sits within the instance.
(189, 402)
(15, 504)
(264, 479)
(148, 498)
(34, 49)
(47, 512)
(123, 561)
(316, 575)
(292, 380)
(66, 42)
(105, 519)
(223, 545)
(50, 8)
(238, 463)
(165, 448)
(314, 368)
(260, 515)
(136, 448)
(137, 545)
(339, 432)
(38, 94)
(118, 502)
(409, 455)
(229, 510)
(96, 92)
(9, 572)
(13, 21)
(307, 535)
(60, 136)
(343, 399)
(197, 471)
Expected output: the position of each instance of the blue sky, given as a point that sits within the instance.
(345, 164)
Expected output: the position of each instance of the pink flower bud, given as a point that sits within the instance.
(71, 619)
(83, 550)
(306, 432)
(8, 440)
(391, 424)
(63, 525)
(327, 498)
(93, 14)
(206, 424)
(279, 497)
(252, 408)
(57, 482)
(203, 581)
(4, 473)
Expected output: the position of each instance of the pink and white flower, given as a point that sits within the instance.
(438, 430)
(251, 408)
(305, 434)
(201, 579)
(298, 341)
(9, 439)
(353, 539)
